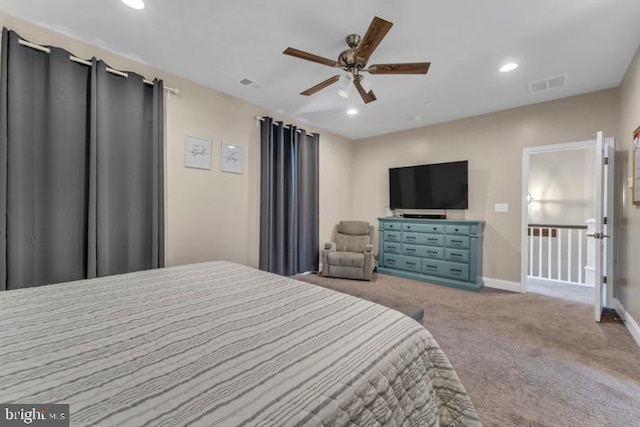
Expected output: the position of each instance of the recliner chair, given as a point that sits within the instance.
(350, 254)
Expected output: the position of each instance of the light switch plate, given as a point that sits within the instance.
(502, 207)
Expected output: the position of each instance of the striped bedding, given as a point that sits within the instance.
(220, 344)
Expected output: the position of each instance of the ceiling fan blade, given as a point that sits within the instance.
(367, 97)
(310, 57)
(320, 86)
(408, 68)
(374, 35)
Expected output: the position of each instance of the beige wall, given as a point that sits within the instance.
(212, 215)
(562, 186)
(628, 283)
(493, 145)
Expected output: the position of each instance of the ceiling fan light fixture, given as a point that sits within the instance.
(134, 4)
(352, 111)
(508, 67)
(345, 82)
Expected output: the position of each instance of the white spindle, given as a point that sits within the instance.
(559, 253)
(580, 264)
(569, 242)
(549, 254)
(531, 251)
(540, 252)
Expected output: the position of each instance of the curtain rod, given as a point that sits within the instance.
(261, 119)
(44, 49)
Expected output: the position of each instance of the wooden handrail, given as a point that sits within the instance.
(574, 227)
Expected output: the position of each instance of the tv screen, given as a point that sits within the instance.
(435, 186)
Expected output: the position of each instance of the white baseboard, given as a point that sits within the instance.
(629, 321)
(505, 285)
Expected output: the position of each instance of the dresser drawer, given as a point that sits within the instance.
(457, 242)
(423, 228)
(434, 252)
(455, 270)
(433, 267)
(402, 262)
(411, 264)
(423, 238)
(393, 226)
(458, 255)
(392, 236)
(457, 229)
(414, 250)
(392, 248)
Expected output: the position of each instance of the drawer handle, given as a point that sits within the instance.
(432, 239)
(455, 270)
(432, 266)
(456, 241)
(391, 261)
(432, 252)
(456, 229)
(456, 255)
(408, 227)
(411, 263)
(411, 237)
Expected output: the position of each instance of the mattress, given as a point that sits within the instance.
(220, 344)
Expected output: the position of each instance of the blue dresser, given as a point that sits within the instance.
(446, 252)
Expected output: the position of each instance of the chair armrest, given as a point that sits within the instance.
(331, 246)
(368, 248)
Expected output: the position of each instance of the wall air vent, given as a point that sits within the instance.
(548, 84)
(250, 83)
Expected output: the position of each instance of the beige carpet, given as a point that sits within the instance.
(525, 359)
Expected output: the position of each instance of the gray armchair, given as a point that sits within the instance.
(350, 254)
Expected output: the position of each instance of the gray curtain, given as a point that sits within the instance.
(289, 199)
(67, 146)
(126, 174)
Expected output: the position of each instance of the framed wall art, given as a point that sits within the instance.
(197, 153)
(232, 158)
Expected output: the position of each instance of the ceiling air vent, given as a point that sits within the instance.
(250, 83)
(547, 84)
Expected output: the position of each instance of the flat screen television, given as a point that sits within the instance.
(434, 186)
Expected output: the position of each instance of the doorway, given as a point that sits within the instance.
(562, 187)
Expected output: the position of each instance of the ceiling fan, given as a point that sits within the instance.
(354, 60)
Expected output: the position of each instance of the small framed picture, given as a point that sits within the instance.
(197, 153)
(232, 158)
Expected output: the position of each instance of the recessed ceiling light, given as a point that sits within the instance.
(415, 118)
(352, 111)
(134, 4)
(508, 67)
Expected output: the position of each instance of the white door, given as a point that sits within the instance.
(603, 234)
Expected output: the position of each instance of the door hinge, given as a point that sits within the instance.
(604, 279)
(606, 160)
(605, 220)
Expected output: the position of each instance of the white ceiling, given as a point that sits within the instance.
(218, 43)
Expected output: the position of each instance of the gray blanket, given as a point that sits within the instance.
(220, 344)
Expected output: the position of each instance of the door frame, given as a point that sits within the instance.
(526, 154)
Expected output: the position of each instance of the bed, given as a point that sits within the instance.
(220, 344)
